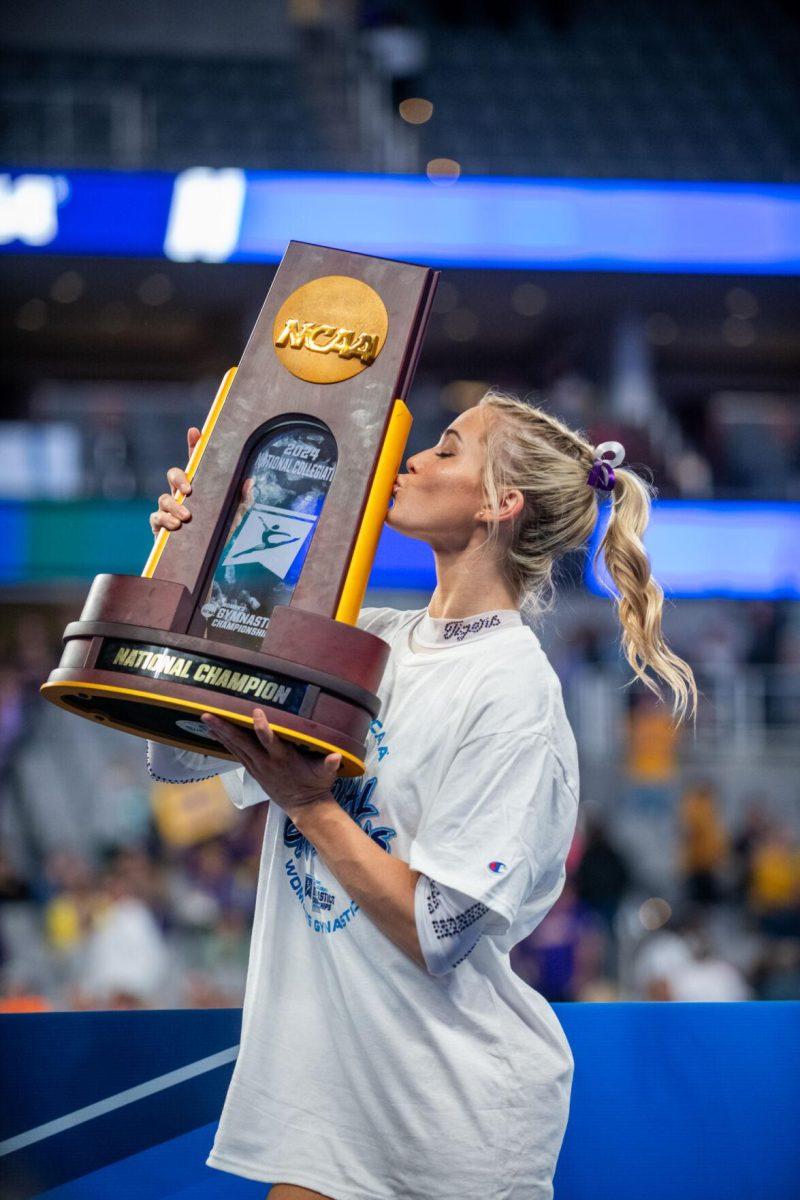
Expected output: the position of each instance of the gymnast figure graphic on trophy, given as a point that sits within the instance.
(267, 539)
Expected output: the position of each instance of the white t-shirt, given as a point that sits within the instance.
(360, 1074)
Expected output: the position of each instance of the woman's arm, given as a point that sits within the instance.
(301, 785)
(380, 884)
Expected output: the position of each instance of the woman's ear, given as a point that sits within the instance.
(511, 505)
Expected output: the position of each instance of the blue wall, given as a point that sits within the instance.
(669, 1102)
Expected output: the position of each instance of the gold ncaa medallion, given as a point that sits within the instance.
(330, 329)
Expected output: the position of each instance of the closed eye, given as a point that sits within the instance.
(442, 455)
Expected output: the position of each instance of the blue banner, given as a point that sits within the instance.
(698, 549)
(230, 215)
(721, 549)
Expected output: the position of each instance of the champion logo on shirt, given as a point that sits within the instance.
(497, 867)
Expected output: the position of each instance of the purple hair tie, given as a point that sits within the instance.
(601, 475)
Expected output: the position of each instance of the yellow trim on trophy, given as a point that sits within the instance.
(57, 689)
(388, 464)
(194, 461)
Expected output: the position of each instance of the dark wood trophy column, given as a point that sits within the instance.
(254, 603)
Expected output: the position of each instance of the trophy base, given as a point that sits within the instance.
(315, 678)
(175, 720)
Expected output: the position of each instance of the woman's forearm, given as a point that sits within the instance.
(380, 884)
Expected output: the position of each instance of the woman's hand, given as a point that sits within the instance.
(171, 514)
(293, 780)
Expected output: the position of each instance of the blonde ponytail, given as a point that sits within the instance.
(640, 601)
(530, 450)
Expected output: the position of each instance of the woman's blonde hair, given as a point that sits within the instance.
(530, 450)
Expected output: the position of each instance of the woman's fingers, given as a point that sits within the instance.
(168, 503)
(164, 519)
(171, 513)
(160, 520)
(233, 738)
(269, 740)
(178, 480)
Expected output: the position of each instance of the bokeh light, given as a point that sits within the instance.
(661, 329)
(461, 324)
(415, 111)
(67, 287)
(741, 303)
(155, 289)
(31, 316)
(443, 170)
(461, 394)
(529, 299)
(655, 913)
(738, 332)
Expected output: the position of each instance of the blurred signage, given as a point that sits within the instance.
(230, 215)
(29, 208)
(41, 459)
(205, 213)
(698, 549)
(734, 549)
(189, 813)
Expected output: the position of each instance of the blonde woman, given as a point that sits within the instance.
(388, 1050)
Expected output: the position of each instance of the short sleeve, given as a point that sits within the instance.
(500, 824)
(449, 924)
(240, 796)
(170, 764)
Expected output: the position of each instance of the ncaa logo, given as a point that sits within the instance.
(330, 328)
(497, 867)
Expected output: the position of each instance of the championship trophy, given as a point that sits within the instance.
(254, 603)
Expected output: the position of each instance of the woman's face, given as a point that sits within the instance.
(439, 500)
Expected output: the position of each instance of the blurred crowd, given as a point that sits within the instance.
(667, 896)
(730, 929)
